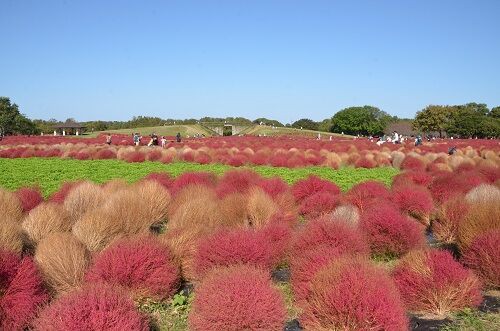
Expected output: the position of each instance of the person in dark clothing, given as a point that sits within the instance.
(452, 150)
(178, 137)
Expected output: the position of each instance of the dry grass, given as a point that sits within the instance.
(200, 212)
(481, 217)
(11, 236)
(10, 206)
(63, 261)
(154, 200)
(188, 193)
(45, 219)
(84, 197)
(447, 219)
(260, 208)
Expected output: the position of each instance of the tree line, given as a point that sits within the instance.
(461, 121)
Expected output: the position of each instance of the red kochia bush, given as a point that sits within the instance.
(483, 256)
(225, 248)
(236, 181)
(431, 281)
(273, 186)
(312, 184)
(98, 307)
(29, 197)
(237, 298)
(325, 231)
(161, 178)
(21, 291)
(318, 204)
(415, 177)
(142, 265)
(188, 178)
(412, 163)
(414, 200)
(361, 195)
(304, 265)
(390, 233)
(105, 154)
(353, 294)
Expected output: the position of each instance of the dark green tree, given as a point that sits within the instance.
(433, 118)
(325, 125)
(305, 123)
(366, 120)
(267, 121)
(12, 121)
(494, 112)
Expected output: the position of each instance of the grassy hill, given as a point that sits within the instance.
(190, 130)
(169, 130)
(269, 131)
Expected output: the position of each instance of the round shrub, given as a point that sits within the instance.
(63, 260)
(162, 178)
(230, 247)
(21, 291)
(142, 265)
(236, 181)
(481, 217)
(361, 195)
(29, 197)
(415, 177)
(352, 294)
(63, 191)
(415, 201)
(449, 216)
(312, 184)
(189, 178)
(45, 219)
(432, 282)
(325, 231)
(318, 204)
(237, 298)
(273, 186)
(304, 265)
(97, 307)
(412, 163)
(483, 256)
(389, 233)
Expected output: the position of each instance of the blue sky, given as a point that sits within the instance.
(285, 60)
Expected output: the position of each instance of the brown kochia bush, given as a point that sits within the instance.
(200, 212)
(11, 236)
(260, 207)
(63, 261)
(483, 193)
(127, 212)
(45, 219)
(449, 216)
(10, 206)
(481, 217)
(81, 199)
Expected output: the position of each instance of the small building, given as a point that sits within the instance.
(69, 129)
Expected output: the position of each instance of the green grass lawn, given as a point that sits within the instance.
(269, 131)
(50, 173)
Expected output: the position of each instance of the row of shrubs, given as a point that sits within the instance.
(85, 257)
(278, 152)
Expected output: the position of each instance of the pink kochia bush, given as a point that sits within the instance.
(415, 201)
(333, 233)
(312, 184)
(141, 265)
(21, 291)
(97, 307)
(237, 298)
(483, 257)
(389, 233)
(431, 281)
(230, 247)
(363, 194)
(318, 204)
(352, 294)
(29, 197)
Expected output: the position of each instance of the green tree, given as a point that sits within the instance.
(366, 120)
(494, 112)
(12, 121)
(433, 118)
(305, 123)
(267, 121)
(325, 125)
(468, 121)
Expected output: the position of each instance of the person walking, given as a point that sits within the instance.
(108, 139)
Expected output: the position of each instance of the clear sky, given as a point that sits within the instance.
(284, 60)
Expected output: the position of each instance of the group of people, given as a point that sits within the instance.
(154, 141)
